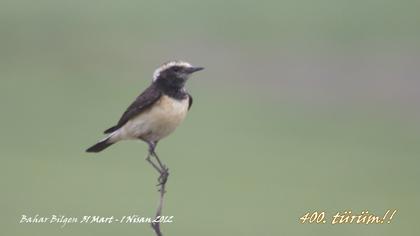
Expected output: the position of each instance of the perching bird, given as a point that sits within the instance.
(156, 112)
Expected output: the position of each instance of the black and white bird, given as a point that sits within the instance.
(156, 112)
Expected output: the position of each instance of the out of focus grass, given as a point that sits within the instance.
(247, 161)
(249, 167)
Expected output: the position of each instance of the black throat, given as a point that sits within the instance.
(175, 91)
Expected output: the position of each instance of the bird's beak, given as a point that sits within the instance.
(194, 69)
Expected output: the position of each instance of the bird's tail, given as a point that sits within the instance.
(101, 145)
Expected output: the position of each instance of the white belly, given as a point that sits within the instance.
(157, 122)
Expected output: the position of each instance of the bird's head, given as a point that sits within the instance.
(174, 73)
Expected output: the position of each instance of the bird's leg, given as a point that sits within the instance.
(158, 160)
(163, 178)
(152, 146)
(152, 163)
(162, 169)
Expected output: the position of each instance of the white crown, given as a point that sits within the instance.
(168, 65)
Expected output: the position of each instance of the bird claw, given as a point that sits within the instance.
(163, 176)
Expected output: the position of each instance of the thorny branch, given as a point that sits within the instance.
(163, 178)
(156, 225)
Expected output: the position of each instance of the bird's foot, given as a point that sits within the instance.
(163, 176)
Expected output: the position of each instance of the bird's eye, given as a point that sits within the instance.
(176, 69)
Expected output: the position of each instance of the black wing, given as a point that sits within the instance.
(142, 102)
(190, 101)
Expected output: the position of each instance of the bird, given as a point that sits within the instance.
(155, 113)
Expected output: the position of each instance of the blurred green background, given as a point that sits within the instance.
(303, 106)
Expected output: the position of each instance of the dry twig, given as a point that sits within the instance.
(163, 178)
